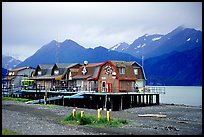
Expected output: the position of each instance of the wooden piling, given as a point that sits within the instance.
(74, 113)
(151, 99)
(108, 116)
(99, 113)
(121, 103)
(63, 100)
(45, 100)
(82, 113)
(157, 99)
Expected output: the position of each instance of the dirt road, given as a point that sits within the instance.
(45, 120)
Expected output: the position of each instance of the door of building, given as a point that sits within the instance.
(103, 87)
(108, 87)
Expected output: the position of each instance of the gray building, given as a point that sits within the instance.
(13, 80)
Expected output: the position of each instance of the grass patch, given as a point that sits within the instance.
(6, 131)
(16, 99)
(93, 121)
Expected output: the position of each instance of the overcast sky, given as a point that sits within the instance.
(27, 26)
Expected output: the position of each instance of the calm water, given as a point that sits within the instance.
(187, 95)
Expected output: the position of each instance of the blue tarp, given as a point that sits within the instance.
(78, 95)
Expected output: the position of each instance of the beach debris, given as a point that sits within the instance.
(185, 122)
(152, 115)
(170, 128)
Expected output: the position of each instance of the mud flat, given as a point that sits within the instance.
(30, 119)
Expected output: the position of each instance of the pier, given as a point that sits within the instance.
(93, 100)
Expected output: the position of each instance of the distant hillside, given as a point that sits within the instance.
(4, 72)
(71, 52)
(9, 62)
(176, 68)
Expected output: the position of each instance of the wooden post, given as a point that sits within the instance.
(99, 113)
(157, 99)
(151, 99)
(45, 100)
(108, 116)
(82, 113)
(63, 100)
(135, 100)
(74, 113)
(146, 99)
(105, 101)
(121, 103)
(131, 100)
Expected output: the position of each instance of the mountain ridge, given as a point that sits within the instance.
(156, 49)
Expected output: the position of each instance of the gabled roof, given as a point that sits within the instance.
(141, 67)
(64, 67)
(47, 70)
(21, 68)
(92, 70)
(45, 66)
(130, 63)
(129, 74)
(16, 70)
(119, 63)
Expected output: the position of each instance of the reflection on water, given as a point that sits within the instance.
(187, 95)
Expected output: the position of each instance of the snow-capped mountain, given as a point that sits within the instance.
(143, 44)
(171, 59)
(9, 62)
(180, 39)
(120, 47)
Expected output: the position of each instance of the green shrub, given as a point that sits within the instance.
(93, 121)
(84, 121)
(16, 99)
(69, 118)
(6, 131)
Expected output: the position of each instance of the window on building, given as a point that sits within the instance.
(56, 72)
(39, 72)
(10, 73)
(122, 70)
(136, 71)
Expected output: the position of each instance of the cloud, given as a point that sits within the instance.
(91, 23)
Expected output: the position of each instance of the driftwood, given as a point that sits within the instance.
(152, 115)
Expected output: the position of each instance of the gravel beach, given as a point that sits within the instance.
(35, 119)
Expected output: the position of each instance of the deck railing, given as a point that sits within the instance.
(160, 90)
(153, 89)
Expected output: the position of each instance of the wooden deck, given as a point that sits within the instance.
(94, 100)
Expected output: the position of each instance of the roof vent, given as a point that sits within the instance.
(85, 62)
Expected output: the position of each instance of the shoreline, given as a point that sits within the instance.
(41, 119)
(175, 104)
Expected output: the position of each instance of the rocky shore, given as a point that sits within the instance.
(30, 119)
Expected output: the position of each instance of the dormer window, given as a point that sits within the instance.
(122, 70)
(56, 72)
(10, 73)
(39, 72)
(136, 71)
